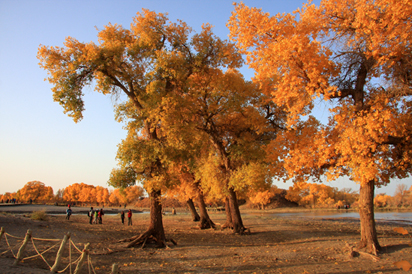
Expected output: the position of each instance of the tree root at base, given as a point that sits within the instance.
(353, 252)
(227, 225)
(371, 248)
(205, 224)
(241, 231)
(145, 239)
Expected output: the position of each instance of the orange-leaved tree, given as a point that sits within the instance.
(382, 200)
(6, 197)
(36, 191)
(71, 193)
(191, 146)
(190, 190)
(87, 194)
(117, 197)
(355, 54)
(263, 197)
(228, 111)
(150, 64)
(185, 191)
(123, 62)
(83, 193)
(102, 195)
(320, 195)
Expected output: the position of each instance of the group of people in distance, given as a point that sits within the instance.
(129, 216)
(96, 216)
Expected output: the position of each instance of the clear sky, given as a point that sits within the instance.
(37, 140)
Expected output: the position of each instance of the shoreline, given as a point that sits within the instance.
(58, 210)
(62, 208)
(285, 213)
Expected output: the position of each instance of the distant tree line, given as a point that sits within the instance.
(37, 192)
(301, 194)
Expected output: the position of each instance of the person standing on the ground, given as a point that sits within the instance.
(68, 213)
(91, 215)
(96, 216)
(129, 215)
(101, 213)
(99, 216)
(122, 216)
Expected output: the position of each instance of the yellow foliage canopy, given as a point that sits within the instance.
(357, 51)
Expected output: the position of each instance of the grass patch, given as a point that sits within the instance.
(39, 215)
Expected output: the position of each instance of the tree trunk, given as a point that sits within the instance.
(369, 237)
(228, 223)
(195, 215)
(155, 231)
(235, 212)
(156, 219)
(205, 221)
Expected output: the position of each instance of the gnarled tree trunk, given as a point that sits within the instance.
(155, 232)
(195, 215)
(205, 221)
(235, 212)
(369, 237)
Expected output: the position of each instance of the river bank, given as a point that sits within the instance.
(57, 210)
(276, 245)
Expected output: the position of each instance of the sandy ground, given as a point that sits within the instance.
(276, 245)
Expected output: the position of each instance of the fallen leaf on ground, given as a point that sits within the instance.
(405, 265)
(401, 230)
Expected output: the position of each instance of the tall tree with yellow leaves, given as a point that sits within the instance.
(355, 54)
(231, 113)
(193, 147)
(150, 64)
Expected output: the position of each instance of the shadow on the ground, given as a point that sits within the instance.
(393, 248)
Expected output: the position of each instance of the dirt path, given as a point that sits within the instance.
(276, 245)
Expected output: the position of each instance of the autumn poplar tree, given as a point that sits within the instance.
(124, 61)
(192, 147)
(189, 190)
(177, 149)
(150, 64)
(229, 112)
(355, 54)
(71, 193)
(35, 191)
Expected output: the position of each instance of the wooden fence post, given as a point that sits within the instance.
(59, 253)
(115, 269)
(22, 247)
(1, 232)
(82, 258)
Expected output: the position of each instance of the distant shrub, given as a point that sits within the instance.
(39, 215)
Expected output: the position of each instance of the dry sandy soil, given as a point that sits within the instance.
(276, 245)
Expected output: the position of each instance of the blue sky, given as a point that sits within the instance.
(37, 140)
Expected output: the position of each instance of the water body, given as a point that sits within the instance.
(401, 217)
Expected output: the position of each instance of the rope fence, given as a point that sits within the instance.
(23, 242)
